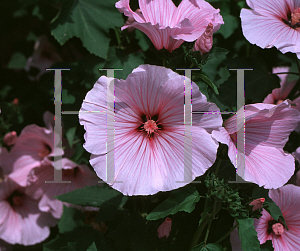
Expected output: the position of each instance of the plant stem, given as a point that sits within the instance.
(210, 220)
(217, 207)
(118, 37)
(218, 165)
(228, 233)
(199, 231)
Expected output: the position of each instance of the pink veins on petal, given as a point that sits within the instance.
(149, 131)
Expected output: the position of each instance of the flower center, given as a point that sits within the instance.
(45, 151)
(294, 20)
(150, 127)
(278, 228)
(15, 199)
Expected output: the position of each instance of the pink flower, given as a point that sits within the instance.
(10, 138)
(278, 95)
(205, 42)
(21, 222)
(149, 131)
(165, 228)
(34, 146)
(169, 26)
(267, 128)
(257, 203)
(79, 175)
(287, 199)
(273, 23)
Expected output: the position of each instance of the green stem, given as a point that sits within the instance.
(216, 208)
(199, 231)
(118, 37)
(228, 233)
(211, 219)
(218, 165)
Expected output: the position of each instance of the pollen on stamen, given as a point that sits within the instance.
(278, 228)
(295, 18)
(150, 126)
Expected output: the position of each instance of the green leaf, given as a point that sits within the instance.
(248, 235)
(208, 247)
(216, 53)
(17, 61)
(229, 26)
(92, 247)
(267, 246)
(117, 59)
(183, 199)
(209, 82)
(66, 97)
(89, 20)
(96, 196)
(71, 135)
(70, 219)
(143, 40)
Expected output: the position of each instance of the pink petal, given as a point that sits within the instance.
(269, 31)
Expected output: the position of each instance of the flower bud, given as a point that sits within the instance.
(205, 42)
(165, 228)
(257, 204)
(10, 138)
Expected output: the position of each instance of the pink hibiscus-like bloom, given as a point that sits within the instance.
(79, 175)
(278, 95)
(273, 23)
(169, 26)
(34, 146)
(149, 131)
(165, 228)
(21, 221)
(267, 128)
(287, 199)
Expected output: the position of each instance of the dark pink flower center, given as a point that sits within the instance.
(15, 199)
(278, 228)
(45, 151)
(293, 19)
(150, 125)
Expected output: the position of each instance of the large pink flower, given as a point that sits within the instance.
(79, 175)
(149, 131)
(21, 221)
(267, 128)
(287, 199)
(273, 23)
(168, 26)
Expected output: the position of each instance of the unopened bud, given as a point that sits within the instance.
(10, 138)
(205, 41)
(165, 228)
(257, 204)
